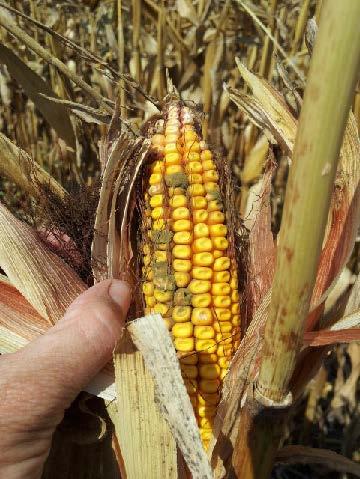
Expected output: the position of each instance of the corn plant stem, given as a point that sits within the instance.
(328, 95)
(27, 40)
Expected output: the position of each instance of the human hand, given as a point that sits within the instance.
(41, 380)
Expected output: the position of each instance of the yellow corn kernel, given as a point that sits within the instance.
(190, 135)
(206, 155)
(211, 188)
(220, 289)
(148, 311)
(201, 230)
(158, 139)
(182, 237)
(182, 279)
(216, 217)
(204, 332)
(156, 200)
(224, 350)
(158, 213)
(163, 296)
(184, 344)
(223, 327)
(235, 308)
(198, 286)
(150, 301)
(196, 189)
(148, 289)
(193, 167)
(189, 372)
(172, 148)
(203, 259)
(221, 276)
(172, 128)
(235, 296)
(209, 371)
(176, 190)
(155, 178)
(182, 251)
(202, 317)
(183, 330)
(206, 423)
(200, 216)
(156, 189)
(221, 301)
(214, 205)
(202, 272)
(181, 314)
(191, 384)
(159, 225)
(162, 309)
(223, 373)
(181, 213)
(222, 314)
(220, 243)
(202, 244)
(192, 146)
(182, 265)
(233, 282)
(160, 255)
(201, 300)
(206, 436)
(221, 264)
(218, 230)
(208, 165)
(195, 178)
(171, 138)
(236, 320)
(181, 225)
(148, 274)
(157, 167)
(197, 203)
(224, 363)
(206, 345)
(224, 338)
(192, 156)
(210, 175)
(174, 169)
(207, 411)
(217, 253)
(207, 358)
(188, 358)
(177, 201)
(209, 385)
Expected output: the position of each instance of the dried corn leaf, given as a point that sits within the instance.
(266, 108)
(308, 455)
(144, 437)
(19, 322)
(17, 165)
(152, 338)
(38, 91)
(44, 279)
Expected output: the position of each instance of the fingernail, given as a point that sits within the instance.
(120, 293)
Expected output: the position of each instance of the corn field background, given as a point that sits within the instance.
(128, 52)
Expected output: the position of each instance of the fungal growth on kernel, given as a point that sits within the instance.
(189, 275)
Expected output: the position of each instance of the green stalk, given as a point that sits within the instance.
(329, 92)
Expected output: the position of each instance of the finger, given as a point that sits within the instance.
(53, 369)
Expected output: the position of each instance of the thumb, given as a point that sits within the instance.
(60, 363)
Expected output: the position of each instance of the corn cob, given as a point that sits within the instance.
(189, 276)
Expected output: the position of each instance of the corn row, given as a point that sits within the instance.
(189, 276)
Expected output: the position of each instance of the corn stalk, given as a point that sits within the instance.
(329, 92)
